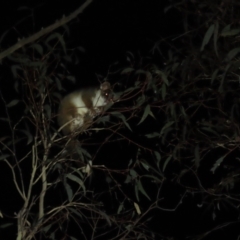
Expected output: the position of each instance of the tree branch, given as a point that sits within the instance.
(44, 31)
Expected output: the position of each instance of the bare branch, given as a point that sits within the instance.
(44, 31)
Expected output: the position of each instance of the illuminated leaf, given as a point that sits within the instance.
(137, 208)
(217, 164)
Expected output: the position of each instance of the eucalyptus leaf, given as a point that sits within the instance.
(217, 163)
(207, 36)
(13, 103)
(142, 190)
(147, 111)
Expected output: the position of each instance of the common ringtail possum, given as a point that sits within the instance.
(78, 109)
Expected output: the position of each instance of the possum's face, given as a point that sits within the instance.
(106, 92)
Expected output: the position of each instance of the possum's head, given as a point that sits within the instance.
(106, 92)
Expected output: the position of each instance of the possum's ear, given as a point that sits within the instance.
(105, 86)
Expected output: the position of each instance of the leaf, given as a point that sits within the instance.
(38, 48)
(214, 76)
(142, 190)
(172, 109)
(147, 111)
(226, 28)
(220, 89)
(86, 153)
(69, 77)
(59, 37)
(232, 54)
(175, 66)
(166, 162)
(81, 49)
(140, 100)
(140, 71)
(14, 69)
(83, 152)
(5, 225)
(16, 86)
(88, 168)
(217, 164)
(130, 89)
(68, 189)
(20, 59)
(120, 208)
(122, 117)
(46, 228)
(52, 236)
(77, 180)
(158, 157)
(207, 36)
(128, 179)
(127, 70)
(162, 76)
(145, 165)
(184, 132)
(215, 37)
(28, 134)
(48, 110)
(137, 208)
(133, 173)
(167, 125)
(4, 156)
(106, 217)
(71, 238)
(183, 112)
(152, 135)
(157, 180)
(130, 162)
(209, 129)
(58, 83)
(136, 191)
(164, 91)
(3, 35)
(66, 28)
(230, 32)
(73, 210)
(13, 103)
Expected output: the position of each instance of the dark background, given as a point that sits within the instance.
(106, 30)
(109, 31)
